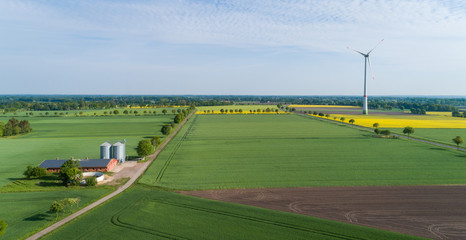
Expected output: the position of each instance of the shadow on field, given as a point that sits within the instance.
(37, 217)
(50, 184)
(14, 179)
(437, 148)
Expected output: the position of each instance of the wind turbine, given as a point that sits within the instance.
(366, 60)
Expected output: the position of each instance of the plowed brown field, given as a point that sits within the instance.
(437, 212)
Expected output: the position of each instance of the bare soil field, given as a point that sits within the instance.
(437, 212)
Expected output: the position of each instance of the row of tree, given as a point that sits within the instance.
(67, 103)
(147, 147)
(14, 127)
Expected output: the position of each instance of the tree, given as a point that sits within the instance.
(164, 111)
(178, 118)
(125, 112)
(70, 172)
(36, 172)
(39, 172)
(28, 172)
(342, 119)
(3, 227)
(116, 112)
(327, 115)
(375, 125)
(408, 130)
(91, 181)
(458, 140)
(156, 141)
(377, 131)
(56, 207)
(144, 148)
(351, 121)
(174, 111)
(2, 126)
(166, 129)
(385, 132)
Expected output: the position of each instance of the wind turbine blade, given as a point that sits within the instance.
(375, 47)
(357, 51)
(370, 68)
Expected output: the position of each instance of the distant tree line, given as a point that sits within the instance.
(66, 103)
(14, 127)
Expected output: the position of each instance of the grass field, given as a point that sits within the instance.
(144, 213)
(28, 212)
(72, 137)
(256, 151)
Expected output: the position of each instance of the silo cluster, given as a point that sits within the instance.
(116, 151)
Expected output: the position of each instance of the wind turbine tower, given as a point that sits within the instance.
(366, 61)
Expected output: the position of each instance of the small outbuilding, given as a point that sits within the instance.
(87, 165)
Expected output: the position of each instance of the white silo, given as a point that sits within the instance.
(105, 150)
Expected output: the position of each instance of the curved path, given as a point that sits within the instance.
(135, 176)
(394, 134)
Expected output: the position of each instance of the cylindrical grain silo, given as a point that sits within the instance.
(105, 151)
(119, 151)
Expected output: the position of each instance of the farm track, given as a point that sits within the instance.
(394, 134)
(172, 154)
(133, 179)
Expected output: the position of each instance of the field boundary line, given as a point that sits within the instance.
(133, 179)
(394, 134)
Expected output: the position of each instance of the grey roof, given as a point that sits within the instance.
(84, 163)
(106, 144)
(118, 144)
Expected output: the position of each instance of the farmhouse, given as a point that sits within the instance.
(87, 165)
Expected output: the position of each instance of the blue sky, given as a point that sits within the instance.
(261, 47)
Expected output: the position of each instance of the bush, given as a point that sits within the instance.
(91, 181)
(385, 132)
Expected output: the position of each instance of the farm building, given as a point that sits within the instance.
(87, 165)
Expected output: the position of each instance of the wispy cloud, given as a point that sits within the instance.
(422, 36)
(307, 24)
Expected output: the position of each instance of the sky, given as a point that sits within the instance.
(232, 47)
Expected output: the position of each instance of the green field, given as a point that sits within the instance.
(256, 151)
(442, 135)
(245, 108)
(144, 213)
(72, 137)
(28, 212)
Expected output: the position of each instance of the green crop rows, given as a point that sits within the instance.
(244, 151)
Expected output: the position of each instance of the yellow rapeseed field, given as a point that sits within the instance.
(401, 121)
(320, 106)
(244, 112)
